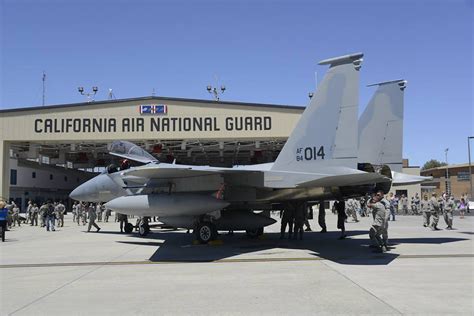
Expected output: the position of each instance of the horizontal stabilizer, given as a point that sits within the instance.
(399, 178)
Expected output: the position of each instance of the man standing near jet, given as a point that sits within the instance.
(300, 216)
(379, 217)
(322, 217)
(341, 216)
(434, 209)
(60, 209)
(92, 217)
(287, 219)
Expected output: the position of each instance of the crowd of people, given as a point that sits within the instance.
(295, 216)
(382, 207)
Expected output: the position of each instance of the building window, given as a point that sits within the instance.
(33, 175)
(13, 174)
(50, 176)
(463, 176)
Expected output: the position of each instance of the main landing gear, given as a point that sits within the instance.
(254, 233)
(205, 232)
(143, 227)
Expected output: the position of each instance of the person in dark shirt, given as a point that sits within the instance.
(341, 217)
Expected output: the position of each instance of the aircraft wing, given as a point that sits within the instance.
(406, 179)
(345, 180)
(181, 171)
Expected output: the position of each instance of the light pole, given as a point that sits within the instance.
(470, 171)
(213, 90)
(89, 95)
(447, 172)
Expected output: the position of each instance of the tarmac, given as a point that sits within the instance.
(73, 272)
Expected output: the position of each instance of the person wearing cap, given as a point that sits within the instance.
(91, 212)
(434, 209)
(448, 210)
(379, 218)
(425, 210)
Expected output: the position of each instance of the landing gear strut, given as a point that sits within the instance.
(205, 232)
(254, 233)
(143, 227)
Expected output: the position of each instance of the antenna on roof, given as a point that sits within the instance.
(111, 94)
(44, 87)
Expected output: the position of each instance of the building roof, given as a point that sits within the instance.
(462, 165)
(151, 98)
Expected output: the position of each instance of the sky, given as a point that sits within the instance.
(262, 51)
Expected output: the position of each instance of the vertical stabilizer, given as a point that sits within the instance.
(381, 126)
(326, 134)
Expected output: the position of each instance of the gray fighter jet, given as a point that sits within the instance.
(319, 161)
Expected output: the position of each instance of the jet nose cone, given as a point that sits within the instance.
(77, 193)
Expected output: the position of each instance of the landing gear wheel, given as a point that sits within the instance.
(206, 232)
(254, 233)
(143, 227)
(128, 228)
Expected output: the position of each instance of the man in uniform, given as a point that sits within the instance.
(340, 207)
(417, 203)
(92, 217)
(74, 212)
(84, 211)
(107, 212)
(404, 204)
(352, 209)
(393, 205)
(34, 215)
(60, 209)
(425, 210)
(16, 214)
(300, 216)
(28, 211)
(99, 210)
(322, 217)
(379, 219)
(434, 209)
(287, 218)
(42, 211)
(448, 210)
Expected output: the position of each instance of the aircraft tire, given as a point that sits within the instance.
(254, 233)
(206, 232)
(128, 228)
(143, 227)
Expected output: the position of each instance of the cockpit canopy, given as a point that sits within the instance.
(131, 151)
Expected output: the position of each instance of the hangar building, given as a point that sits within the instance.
(75, 136)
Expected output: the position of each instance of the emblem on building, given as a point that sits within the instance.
(156, 109)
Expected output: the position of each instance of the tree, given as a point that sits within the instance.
(433, 163)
